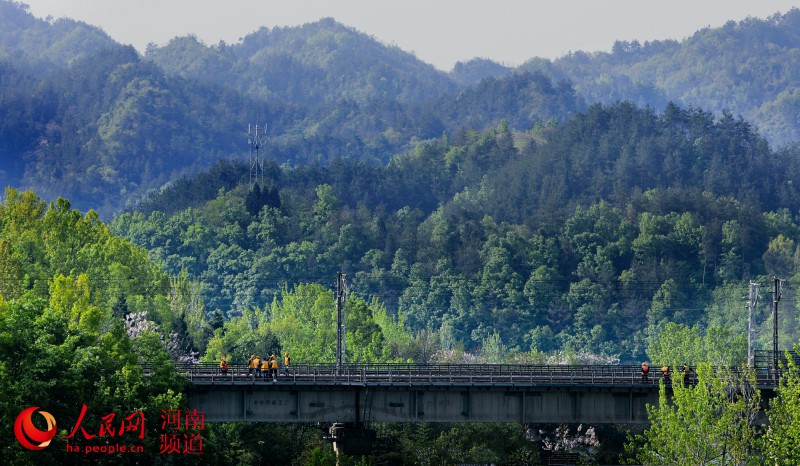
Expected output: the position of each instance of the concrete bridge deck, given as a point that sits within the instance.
(359, 393)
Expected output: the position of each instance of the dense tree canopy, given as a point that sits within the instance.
(709, 421)
(472, 236)
(66, 286)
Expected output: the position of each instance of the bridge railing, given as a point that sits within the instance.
(439, 374)
(442, 374)
(766, 358)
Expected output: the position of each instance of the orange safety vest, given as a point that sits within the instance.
(274, 364)
(286, 361)
(264, 365)
(223, 365)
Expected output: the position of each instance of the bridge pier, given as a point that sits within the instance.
(351, 439)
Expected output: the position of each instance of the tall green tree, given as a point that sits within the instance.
(304, 320)
(781, 443)
(676, 344)
(710, 422)
(61, 344)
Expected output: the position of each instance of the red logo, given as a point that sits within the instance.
(28, 435)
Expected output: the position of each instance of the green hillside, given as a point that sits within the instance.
(589, 237)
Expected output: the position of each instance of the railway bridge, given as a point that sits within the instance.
(358, 393)
(349, 397)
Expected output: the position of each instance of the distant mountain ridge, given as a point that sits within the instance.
(103, 125)
(317, 62)
(748, 67)
(46, 42)
(90, 119)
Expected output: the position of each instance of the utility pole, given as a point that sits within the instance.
(751, 324)
(341, 297)
(776, 297)
(255, 140)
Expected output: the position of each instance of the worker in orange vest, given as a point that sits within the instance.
(251, 364)
(264, 368)
(273, 367)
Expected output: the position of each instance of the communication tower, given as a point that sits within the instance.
(256, 138)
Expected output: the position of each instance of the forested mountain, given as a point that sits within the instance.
(461, 226)
(109, 126)
(45, 44)
(588, 237)
(744, 67)
(103, 125)
(523, 100)
(476, 70)
(747, 67)
(92, 120)
(315, 63)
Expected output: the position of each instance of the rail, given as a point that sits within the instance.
(440, 375)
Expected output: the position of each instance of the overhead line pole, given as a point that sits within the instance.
(752, 303)
(341, 297)
(776, 297)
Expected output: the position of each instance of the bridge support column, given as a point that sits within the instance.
(351, 439)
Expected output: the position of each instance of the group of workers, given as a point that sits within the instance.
(260, 368)
(665, 373)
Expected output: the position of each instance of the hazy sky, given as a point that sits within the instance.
(440, 32)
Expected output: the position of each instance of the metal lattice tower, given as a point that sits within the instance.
(256, 138)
